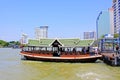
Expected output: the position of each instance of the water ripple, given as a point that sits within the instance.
(89, 76)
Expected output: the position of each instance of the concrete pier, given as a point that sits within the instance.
(112, 59)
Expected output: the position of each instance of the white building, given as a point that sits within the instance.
(41, 32)
(116, 7)
(24, 38)
(90, 35)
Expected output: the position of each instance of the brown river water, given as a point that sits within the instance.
(13, 68)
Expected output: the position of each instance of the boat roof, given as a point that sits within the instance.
(76, 42)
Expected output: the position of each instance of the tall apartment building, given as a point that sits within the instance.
(90, 35)
(41, 32)
(24, 38)
(116, 7)
(105, 23)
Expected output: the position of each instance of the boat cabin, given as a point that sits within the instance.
(59, 47)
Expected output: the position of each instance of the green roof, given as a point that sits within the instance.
(46, 42)
(85, 43)
(33, 42)
(41, 42)
(69, 42)
(63, 42)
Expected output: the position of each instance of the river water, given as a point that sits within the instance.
(13, 68)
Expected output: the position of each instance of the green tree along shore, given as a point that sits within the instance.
(3, 43)
(9, 44)
(116, 35)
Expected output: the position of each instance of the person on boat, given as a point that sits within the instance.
(117, 49)
(74, 50)
(92, 51)
(88, 49)
(56, 54)
(61, 50)
(68, 50)
(83, 50)
(96, 51)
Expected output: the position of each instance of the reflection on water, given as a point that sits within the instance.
(13, 68)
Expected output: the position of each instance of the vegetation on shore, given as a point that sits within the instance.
(115, 35)
(9, 44)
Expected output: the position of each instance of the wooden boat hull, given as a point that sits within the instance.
(62, 59)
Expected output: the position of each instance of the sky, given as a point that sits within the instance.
(65, 18)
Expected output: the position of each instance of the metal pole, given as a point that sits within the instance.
(119, 38)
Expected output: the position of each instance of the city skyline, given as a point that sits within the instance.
(66, 19)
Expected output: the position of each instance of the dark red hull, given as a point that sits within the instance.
(62, 58)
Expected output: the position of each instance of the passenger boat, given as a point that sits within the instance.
(60, 50)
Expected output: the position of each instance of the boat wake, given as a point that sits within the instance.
(89, 76)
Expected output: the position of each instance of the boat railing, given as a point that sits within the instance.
(73, 53)
(60, 53)
(77, 54)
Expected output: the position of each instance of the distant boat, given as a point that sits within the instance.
(60, 50)
(16, 47)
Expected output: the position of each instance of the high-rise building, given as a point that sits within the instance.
(90, 35)
(105, 23)
(23, 39)
(41, 32)
(116, 7)
(111, 13)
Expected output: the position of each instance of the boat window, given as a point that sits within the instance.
(49, 49)
(78, 49)
(55, 48)
(37, 48)
(43, 49)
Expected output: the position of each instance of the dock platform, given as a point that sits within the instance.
(112, 59)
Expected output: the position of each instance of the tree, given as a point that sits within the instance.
(116, 35)
(17, 43)
(3, 43)
(102, 36)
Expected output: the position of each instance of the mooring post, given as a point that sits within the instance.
(115, 60)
